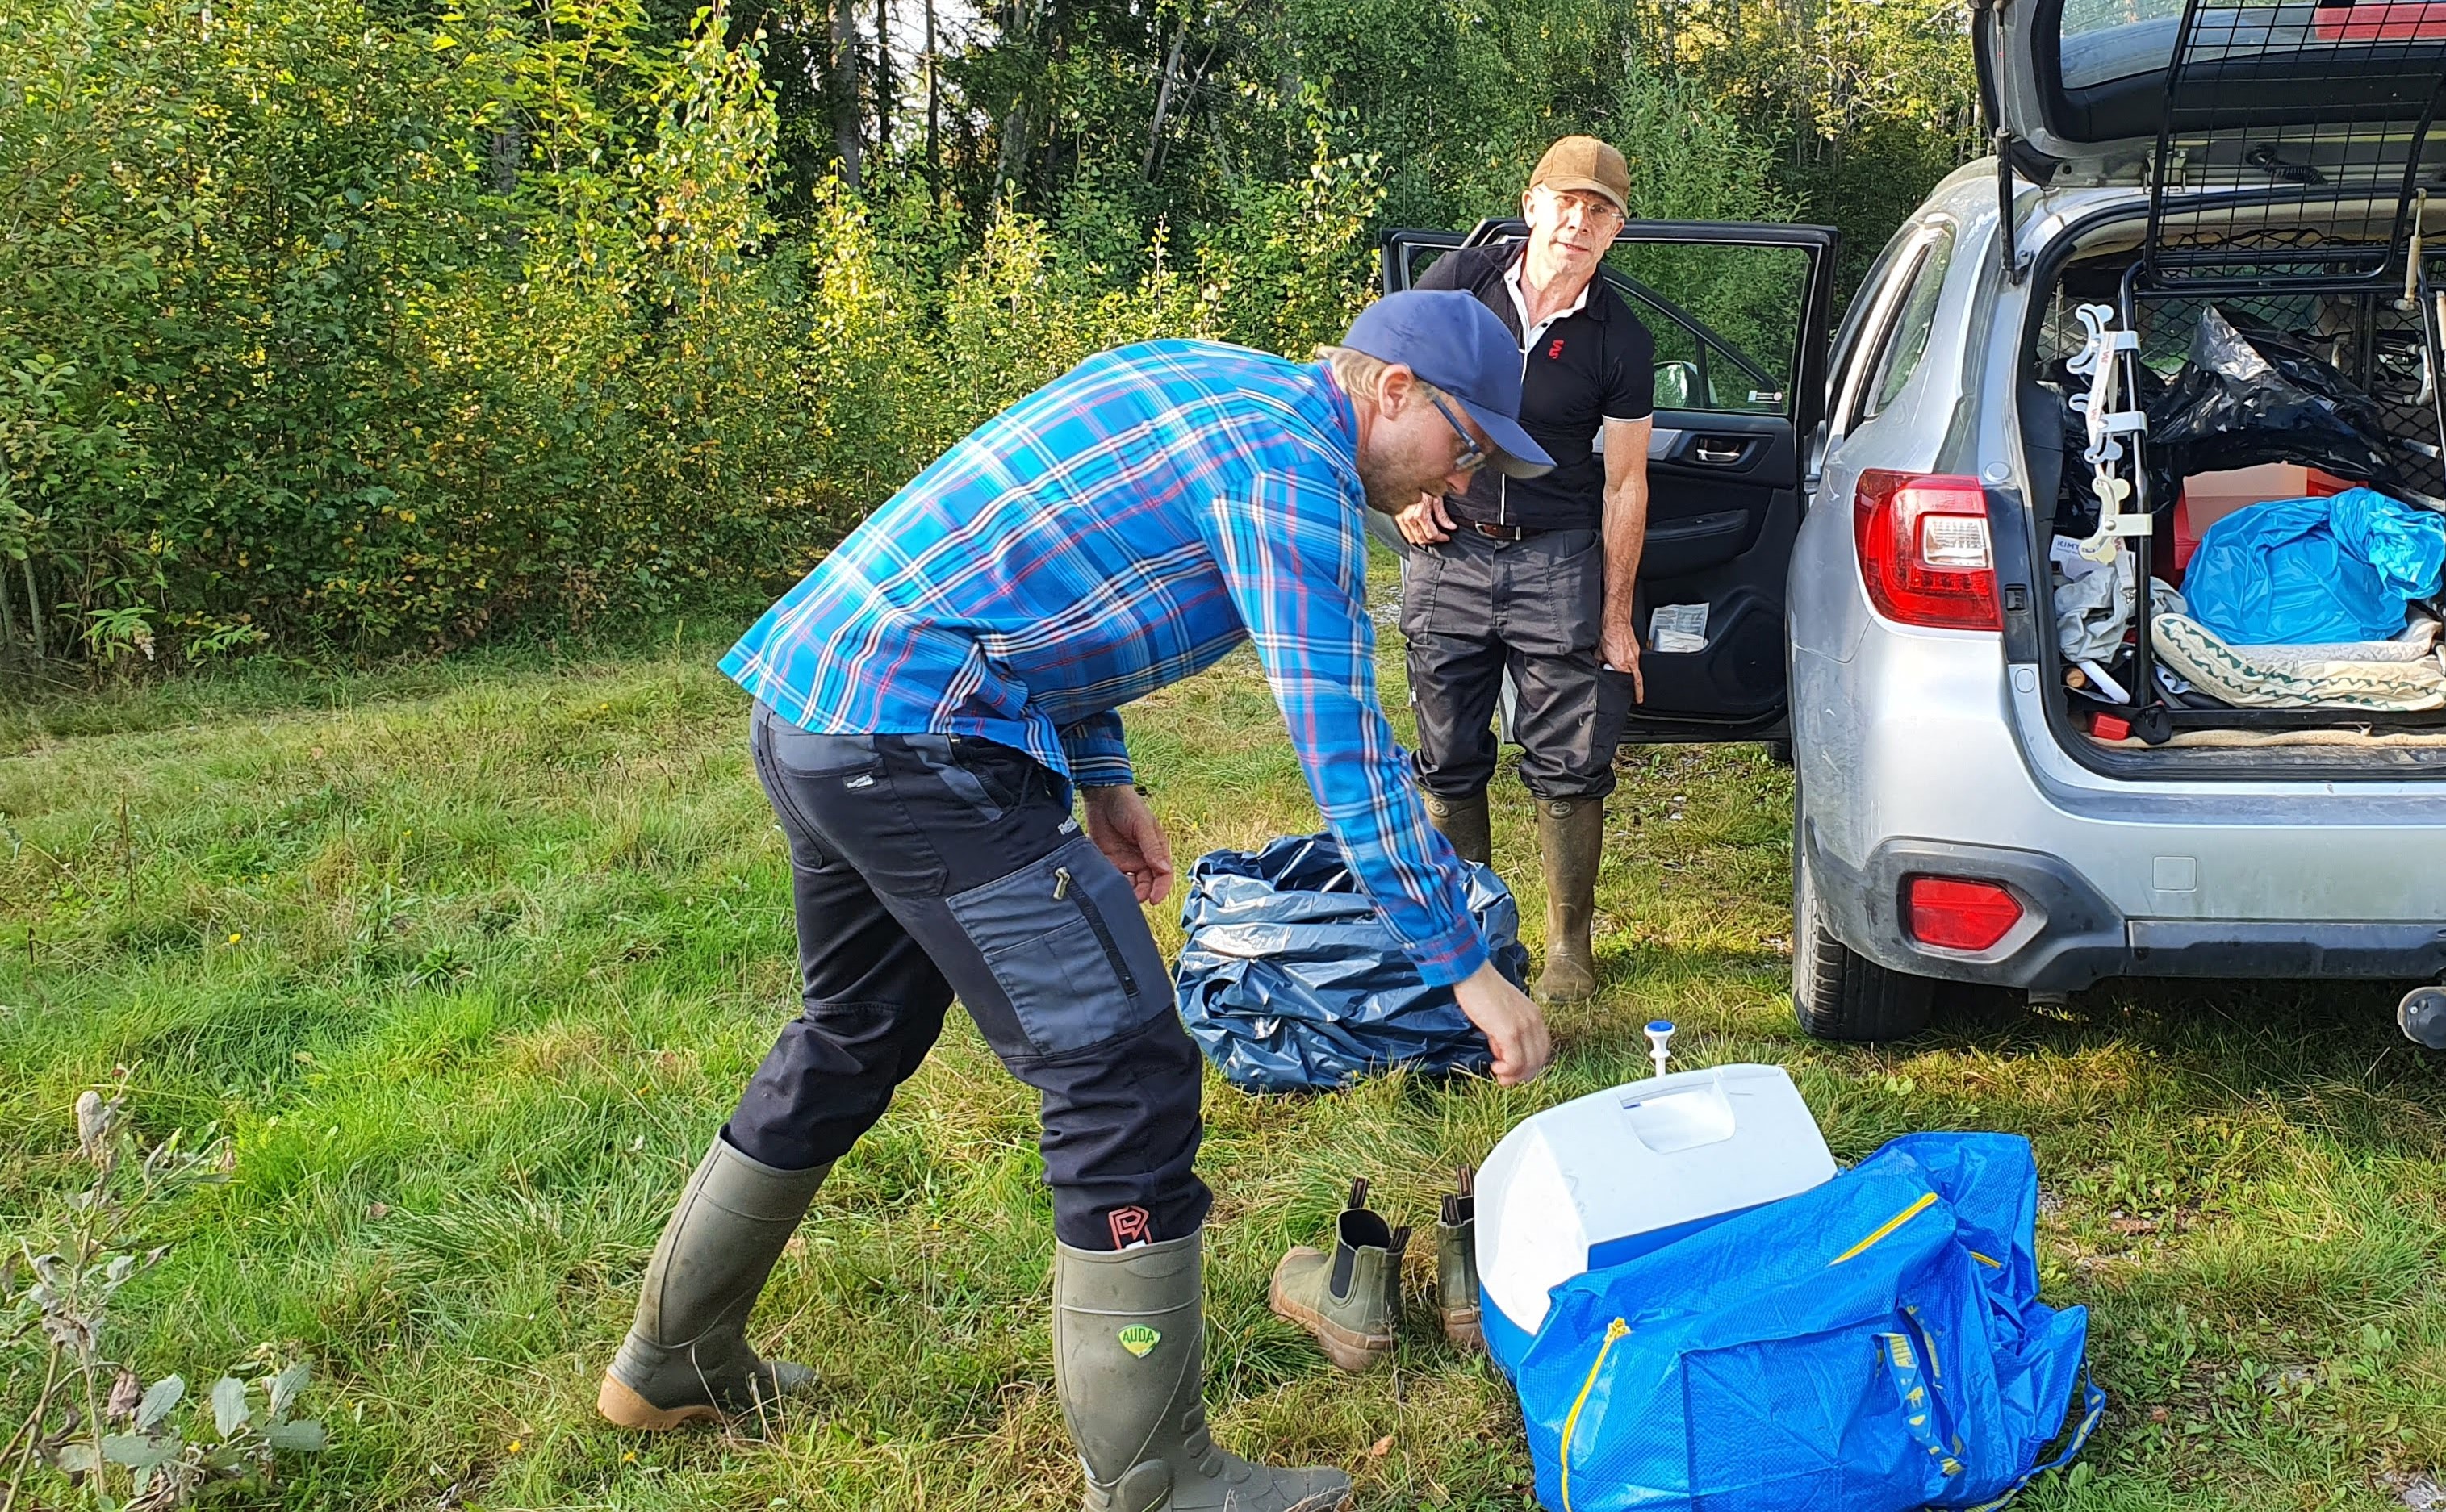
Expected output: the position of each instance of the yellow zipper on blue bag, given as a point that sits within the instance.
(1614, 1331)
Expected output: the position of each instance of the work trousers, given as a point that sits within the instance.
(1473, 608)
(925, 866)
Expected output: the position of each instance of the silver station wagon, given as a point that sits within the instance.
(1913, 551)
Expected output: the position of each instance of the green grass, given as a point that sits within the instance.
(470, 960)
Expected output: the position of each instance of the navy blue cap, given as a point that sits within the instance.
(1452, 341)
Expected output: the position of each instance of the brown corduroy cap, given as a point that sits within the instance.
(1584, 163)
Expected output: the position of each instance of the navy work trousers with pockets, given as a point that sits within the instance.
(923, 866)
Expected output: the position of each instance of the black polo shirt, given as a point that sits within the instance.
(1593, 364)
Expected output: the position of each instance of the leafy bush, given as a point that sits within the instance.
(347, 327)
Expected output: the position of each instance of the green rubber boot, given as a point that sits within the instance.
(1349, 1300)
(1464, 822)
(1570, 838)
(686, 1356)
(1457, 1264)
(1129, 1363)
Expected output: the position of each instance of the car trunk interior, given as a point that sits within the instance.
(2230, 400)
(2366, 358)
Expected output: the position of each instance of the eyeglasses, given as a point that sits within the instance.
(1595, 208)
(1471, 453)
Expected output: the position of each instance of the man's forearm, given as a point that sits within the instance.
(1626, 535)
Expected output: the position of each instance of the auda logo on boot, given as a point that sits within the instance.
(1139, 1339)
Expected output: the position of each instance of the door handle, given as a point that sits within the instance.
(1718, 454)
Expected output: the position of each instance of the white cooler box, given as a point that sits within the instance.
(1606, 1178)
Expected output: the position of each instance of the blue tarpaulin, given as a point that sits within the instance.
(1289, 981)
(1874, 1344)
(2309, 571)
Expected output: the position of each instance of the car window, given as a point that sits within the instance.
(1727, 320)
(1906, 336)
(1864, 299)
(2104, 40)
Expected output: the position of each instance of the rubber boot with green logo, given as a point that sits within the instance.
(1129, 1363)
(1351, 1299)
(1457, 1264)
(686, 1356)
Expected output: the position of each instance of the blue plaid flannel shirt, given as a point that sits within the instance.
(1115, 532)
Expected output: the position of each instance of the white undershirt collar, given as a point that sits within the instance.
(1528, 333)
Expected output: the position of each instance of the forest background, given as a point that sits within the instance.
(349, 326)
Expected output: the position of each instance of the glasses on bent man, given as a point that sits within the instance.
(1471, 453)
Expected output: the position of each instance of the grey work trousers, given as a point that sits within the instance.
(1473, 609)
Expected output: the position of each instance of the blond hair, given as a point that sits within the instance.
(1359, 373)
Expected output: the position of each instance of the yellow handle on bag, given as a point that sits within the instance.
(1616, 1331)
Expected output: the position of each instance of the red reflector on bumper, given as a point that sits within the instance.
(1956, 915)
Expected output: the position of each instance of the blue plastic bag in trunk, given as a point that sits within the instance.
(1874, 1344)
(2307, 571)
(1289, 981)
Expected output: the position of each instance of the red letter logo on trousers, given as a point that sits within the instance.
(1555, 350)
(1131, 1225)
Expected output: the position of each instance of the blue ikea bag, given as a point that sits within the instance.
(2307, 571)
(1873, 1344)
(1289, 981)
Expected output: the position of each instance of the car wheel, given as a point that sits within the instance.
(1837, 993)
(1779, 753)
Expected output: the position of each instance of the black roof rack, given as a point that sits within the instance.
(2333, 104)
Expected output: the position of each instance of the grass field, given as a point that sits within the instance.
(469, 959)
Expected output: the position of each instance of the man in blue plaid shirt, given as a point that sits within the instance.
(929, 699)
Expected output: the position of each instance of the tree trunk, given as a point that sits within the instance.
(34, 608)
(509, 150)
(883, 102)
(933, 104)
(842, 87)
(1163, 97)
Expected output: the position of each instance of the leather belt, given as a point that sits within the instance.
(1501, 532)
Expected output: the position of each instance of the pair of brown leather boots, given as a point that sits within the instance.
(1351, 1298)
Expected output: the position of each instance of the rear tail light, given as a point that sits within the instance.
(1957, 915)
(1924, 550)
(2378, 21)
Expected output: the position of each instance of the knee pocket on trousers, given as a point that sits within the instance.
(1055, 936)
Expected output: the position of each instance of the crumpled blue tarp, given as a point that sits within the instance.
(1874, 1344)
(2307, 571)
(1289, 981)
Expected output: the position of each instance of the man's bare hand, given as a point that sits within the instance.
(1622, 654)
(1512, 1023)
(1425, 522)
(1124, 829)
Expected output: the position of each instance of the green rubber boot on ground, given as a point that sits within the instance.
(1571, 840)
(1351, 1299)
(1129, 1363)
(1464, 822)
(1457, 1264)
(686, 1356)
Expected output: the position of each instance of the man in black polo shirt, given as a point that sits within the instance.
(1536, 575)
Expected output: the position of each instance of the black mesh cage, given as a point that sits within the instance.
(2321, 115)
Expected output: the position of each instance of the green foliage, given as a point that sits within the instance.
(61, 1282)
(352, 327)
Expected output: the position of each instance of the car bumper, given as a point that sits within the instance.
(2070, 935)
(1911, 760)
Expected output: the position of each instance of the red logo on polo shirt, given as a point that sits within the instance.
(1555, 350)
